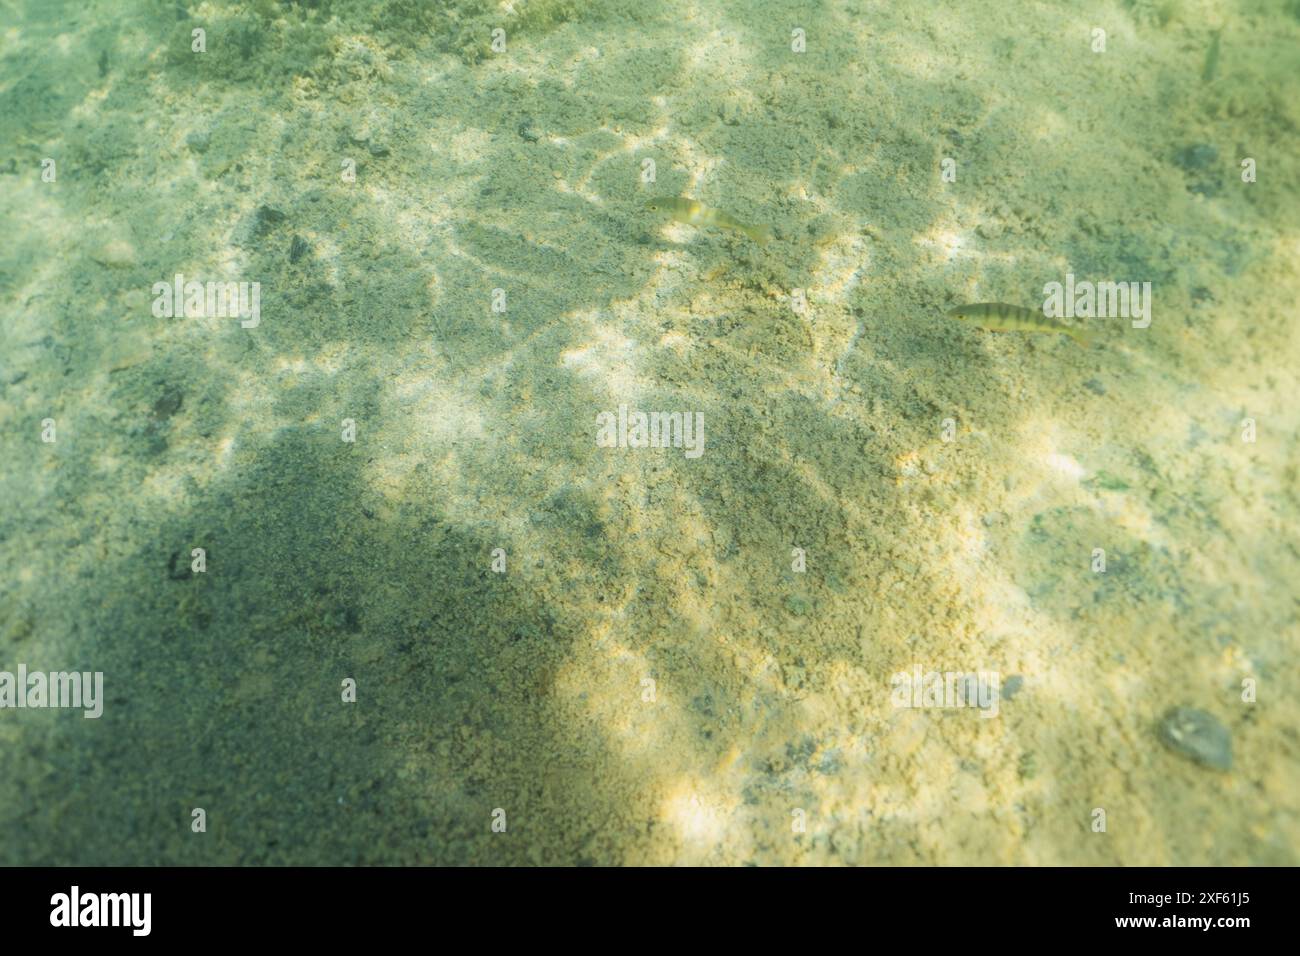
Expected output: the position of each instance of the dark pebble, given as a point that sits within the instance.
(178, 567)
(1198, 736)
(265, 219)
(168, 404)
(1197, 157)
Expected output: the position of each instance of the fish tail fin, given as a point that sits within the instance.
(760, 234)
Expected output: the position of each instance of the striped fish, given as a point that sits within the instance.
(1000, 317)
(697, 214)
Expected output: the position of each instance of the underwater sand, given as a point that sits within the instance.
(525, 691)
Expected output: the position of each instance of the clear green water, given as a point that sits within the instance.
(683, 659)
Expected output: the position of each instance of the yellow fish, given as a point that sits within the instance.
(697, 214)
(1000, 317)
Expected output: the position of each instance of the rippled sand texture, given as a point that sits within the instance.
(527, 691)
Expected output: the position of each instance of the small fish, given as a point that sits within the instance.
(697, 214)
(1000, 317)
(1211, 58)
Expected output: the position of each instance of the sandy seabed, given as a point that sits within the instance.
(651, 679)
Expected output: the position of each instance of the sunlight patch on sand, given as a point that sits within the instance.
(697, 814)
(1065, 465)
(608, 358)
(947, 243)
(841, 266)
(715, 50)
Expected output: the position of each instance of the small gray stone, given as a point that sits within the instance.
(266, 219)
(830, 763)
(1197, 736)
(1196, 157)
(1012, 686)
(169, 403)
